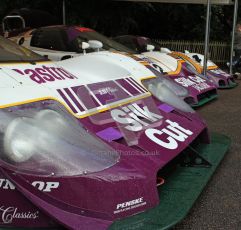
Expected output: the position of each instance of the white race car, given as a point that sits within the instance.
(194, 61)
(63, 42)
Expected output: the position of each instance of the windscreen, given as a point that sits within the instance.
(11, 52)
(143, 42)
(84, 36)
(49, 141)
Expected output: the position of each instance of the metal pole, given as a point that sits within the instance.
(207, 34)
(64, 13)
(235, 15)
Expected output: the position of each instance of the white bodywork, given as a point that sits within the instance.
(201, 57)
(17, 84)
(166, 62)
(23, 82)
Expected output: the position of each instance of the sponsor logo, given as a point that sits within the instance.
(134, 118)
(220, 72)
(193, 81)
(46, 74)
(122, 207)
(9, 214)
(106, 90)
(40, 185)
(174, 132)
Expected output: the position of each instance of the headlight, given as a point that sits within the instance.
(159, 89)
(17, 147)
(180, 91)
(52, 142)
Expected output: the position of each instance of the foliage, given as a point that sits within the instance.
(156, 20)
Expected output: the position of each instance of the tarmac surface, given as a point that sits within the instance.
(219, 206)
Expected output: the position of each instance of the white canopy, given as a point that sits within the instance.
(214, 2)
(208, 17)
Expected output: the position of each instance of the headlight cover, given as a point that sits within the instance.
(159, 89)
(180, 91)
(49, 141)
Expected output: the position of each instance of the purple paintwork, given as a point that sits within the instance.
(90, 201)
(95, 200)
(166, 108)
(197, 86)
(221, 78)
(109, 134)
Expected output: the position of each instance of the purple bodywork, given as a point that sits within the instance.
(95, 200)
(221, 78)
(197, 86)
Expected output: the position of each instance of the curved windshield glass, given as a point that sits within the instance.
(51, 142)
(143, 42)
(11, 52)
(108, 44)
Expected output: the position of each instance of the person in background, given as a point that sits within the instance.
(237, 40)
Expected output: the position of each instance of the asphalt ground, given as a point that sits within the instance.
(219, 206)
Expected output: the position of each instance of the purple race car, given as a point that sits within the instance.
(82, 153)
(63, 42)
(141, 44)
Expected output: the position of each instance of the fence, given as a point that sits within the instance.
(219, 51)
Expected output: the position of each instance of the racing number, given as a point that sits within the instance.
(157, 67)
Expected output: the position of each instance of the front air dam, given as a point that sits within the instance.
(180, 191)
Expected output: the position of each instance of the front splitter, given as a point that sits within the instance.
(205, 101)
(229, 86)
(180, 191)
(178, 194)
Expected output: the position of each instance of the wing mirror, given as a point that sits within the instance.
(20, 41)
(95, 44)
(84, 46)
(165, 50)
(150, 47)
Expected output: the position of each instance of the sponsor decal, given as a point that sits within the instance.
(135, 118)
(46, 74)
(40, 185)
(157, 67)
(220, 72)
(152, 64)
(175, 133)
(129, 205)
(81, 98)
(9, 214)
(193, 81)
(106, 90)
(133, 115)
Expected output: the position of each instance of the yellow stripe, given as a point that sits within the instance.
(146, 78)
(198, 67)
(69, 110)
(213, 67)
(178, 69)
(144, 63)
(186, 58)
(24, 63)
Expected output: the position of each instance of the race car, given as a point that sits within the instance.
(200, 90)
(223, 79)
(87, 149)
(63, 42)
(195, 60)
